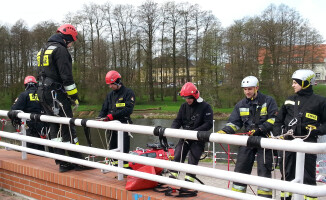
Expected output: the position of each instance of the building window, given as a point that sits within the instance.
(317, 75)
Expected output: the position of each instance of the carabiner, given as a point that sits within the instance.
(293, 122)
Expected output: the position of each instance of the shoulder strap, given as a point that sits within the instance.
(256, 117)
(299, 113)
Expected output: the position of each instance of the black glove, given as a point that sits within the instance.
(15, 121)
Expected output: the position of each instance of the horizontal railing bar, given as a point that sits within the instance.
(306, 147)
(193, 169)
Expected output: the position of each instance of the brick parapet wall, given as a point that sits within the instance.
(39, 178)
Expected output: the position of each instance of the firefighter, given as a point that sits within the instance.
(304, 113)
(118, 105)
(256, 113)
(28, 102)
(194, 114)
(57, 90)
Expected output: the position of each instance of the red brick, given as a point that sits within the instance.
(24, 181)
(40, 192)
(19, 185)
(72, 195)
(89, 187)
(46, 198)
(123, 194)
(93, 196)
(113, 193)
(46, 188)
(64, 198)
(29, 188)
(85, 198)
(6, 186)
(41, 182)
(52, 185)
(103, 190)
(129, 195)
(108, 191)
(59, 192)
(56, 178)
(52, 195)
(80, 192)
(26, 193)
(68, 181)
(34, 184)
(15, 189)
(119, 194)
(36, 196)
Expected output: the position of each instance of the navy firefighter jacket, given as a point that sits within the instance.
(55, 62)
(28, 102)
(245, 114)
(311, 110)
(197, 116)
(120, 103)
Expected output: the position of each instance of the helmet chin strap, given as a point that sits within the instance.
(255, 94)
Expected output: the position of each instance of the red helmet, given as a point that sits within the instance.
(189, 89)
(68, 29)
(29, 79)
(112, 76)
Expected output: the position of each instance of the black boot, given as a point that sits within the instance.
(82, 168)
(65, 167)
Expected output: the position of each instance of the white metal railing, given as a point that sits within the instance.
(294, 187)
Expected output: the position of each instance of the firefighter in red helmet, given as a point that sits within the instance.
(57, 90)
(28, 102)
(194, 114)
(118, 105)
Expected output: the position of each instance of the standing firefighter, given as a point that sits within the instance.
(118, 105)
(194, 114)
(303, 115)
(57, 91)
(256, 113)
(28, 102)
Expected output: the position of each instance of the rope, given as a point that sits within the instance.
(234, 163)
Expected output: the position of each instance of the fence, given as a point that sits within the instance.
(297, 187)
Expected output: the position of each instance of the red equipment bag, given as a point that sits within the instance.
(135, 183)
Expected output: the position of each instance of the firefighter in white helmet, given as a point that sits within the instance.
(256, 114)
(304, 113)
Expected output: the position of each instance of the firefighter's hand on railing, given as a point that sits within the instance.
(100, 118)
(313, 130)
(255, 132)
(109, 117)
(221, 132)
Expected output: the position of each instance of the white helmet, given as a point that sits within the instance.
(306, 76)
(250, 81)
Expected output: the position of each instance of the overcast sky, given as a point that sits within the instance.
(34, 11)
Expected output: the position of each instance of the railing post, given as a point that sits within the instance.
(23, 131)
(214, 164)
(299, 169)
(120, 148)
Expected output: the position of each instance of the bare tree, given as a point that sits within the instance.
(148, 22)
